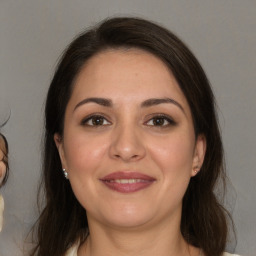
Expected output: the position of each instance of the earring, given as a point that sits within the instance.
(196, 169)
(1, 211)
(65, 173)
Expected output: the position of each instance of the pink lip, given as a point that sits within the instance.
(127, 182)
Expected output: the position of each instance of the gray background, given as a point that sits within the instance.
(221, 33)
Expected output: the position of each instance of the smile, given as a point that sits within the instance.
(127, 182)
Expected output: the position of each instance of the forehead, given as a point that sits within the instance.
(127, 72)
(126, 61)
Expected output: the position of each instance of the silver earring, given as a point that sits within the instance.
(65, 173)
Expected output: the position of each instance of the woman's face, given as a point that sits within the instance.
(2, 164)
(128, 143)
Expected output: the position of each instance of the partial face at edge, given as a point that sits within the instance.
(2, 164)
(127, 116)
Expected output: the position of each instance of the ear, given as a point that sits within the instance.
(59, 144)
(2, 171)
(199, 153)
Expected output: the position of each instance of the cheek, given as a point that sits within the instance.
(84, 153)
(173, 154)
(84, 156)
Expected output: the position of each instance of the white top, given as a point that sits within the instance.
(1, 211)
(73, 251)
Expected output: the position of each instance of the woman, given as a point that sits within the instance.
(130, 119)
(4, 167)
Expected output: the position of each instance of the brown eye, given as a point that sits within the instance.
(95, 121)
(160, 121)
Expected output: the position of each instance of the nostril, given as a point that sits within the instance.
(126, 157)
(126, 148)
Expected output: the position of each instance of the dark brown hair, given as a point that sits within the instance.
(63, 219)
(5, 151)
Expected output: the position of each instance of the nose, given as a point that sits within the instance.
(127, 144)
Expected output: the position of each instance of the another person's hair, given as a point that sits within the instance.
(5, 150)
(63, 220)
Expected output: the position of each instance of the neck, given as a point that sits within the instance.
(164, 240)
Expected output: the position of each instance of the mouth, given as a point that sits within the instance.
(127, 182)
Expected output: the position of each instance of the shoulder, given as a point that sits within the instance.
(229, 254)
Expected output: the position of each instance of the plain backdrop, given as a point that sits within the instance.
(221, 33)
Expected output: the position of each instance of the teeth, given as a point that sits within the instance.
(127, 181)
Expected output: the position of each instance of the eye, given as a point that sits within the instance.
(160, 121)
(95, 120)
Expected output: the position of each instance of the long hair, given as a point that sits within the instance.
(63, 220)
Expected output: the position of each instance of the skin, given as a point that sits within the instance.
(2, 164)
(2, 175)
(146, 222)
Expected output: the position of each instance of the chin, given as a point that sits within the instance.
(128, 217)
(131, 222)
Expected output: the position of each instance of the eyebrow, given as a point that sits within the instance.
(155, 101)
(147, 103)
(101, 101)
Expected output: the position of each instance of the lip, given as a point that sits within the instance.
(127, 182)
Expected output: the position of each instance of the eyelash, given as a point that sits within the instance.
(94, 116)
(167, 121)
